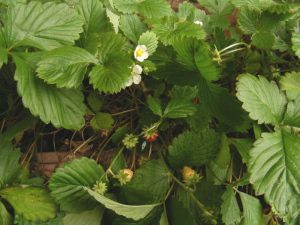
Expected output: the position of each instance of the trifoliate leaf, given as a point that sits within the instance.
(66, 184)
(177, 213)
(5, 217)
(95, 101)
(274, 168)
(135, 212)
(9, 168)
(193, 149)
(263, 39)
(167, 29)
(261, 99)
(95, 19)
(48, 25)
(292, 115)
(185, 9)
(150, 40)
(290, 83)
(110, 43)
(70, 70)
(114, 74)
(154, 105)
(178, 108)
(220, 10)
(102, 121)
(19, 127)
(132, 26)
(243, 145)
(252, 209)
(147, 8)
(185, 92)
(93, 216)
(153, 178)
(220, 104)
(230, 208)
(62, 107)
(176, 73)
(200, 121)
(35, 203)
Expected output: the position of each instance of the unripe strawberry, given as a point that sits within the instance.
(129, 173)
(187, 172)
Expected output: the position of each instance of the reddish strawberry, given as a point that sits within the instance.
(151, 137)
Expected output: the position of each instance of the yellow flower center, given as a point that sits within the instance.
(132, 73)
(139, 53)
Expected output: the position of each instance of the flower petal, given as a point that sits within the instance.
(129, 82)
(136, 79)
(137, 69)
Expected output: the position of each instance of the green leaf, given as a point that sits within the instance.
(135, 212)
(150, 40)
(292, 115)
(268, 21)
(147, 8)
(247, 19)
(223, 158)
(62, 107)
(177, 213)
(164, 218)
(176, 73)
(186, 49)
(5, 217)
(193, 149)
(3, 51)
(120, 134)
(132, 26)
(220, 104)
(261, 99)
(252, 209)
(95, 101)
(207, 67)
(200, 121)
(114, 19)
(263, 39)
(93, 216)
(167, 29)
(113, 75)
(46, 26)
(153, 178)
(95, 19)
(102, 121)
(35, 203)
(290, 83)
(19, 127)
(70, 70)
(220, 9)
(177, 108)
(275, 170)
(258, 5)
(110, 43)
(154, 105)
(185, 92)
(230, 209)
(9, 168)
(119, 163)
(66, 184)
(243, 145)
(20, 220)
(282, 8)
(12, 2)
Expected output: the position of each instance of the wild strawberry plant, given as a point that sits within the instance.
(214, 106)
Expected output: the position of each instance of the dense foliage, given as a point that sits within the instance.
(212, 109)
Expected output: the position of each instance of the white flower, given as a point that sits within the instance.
(136, 75)
(198, 23)
(140, 53)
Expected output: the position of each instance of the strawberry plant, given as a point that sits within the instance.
(200, 104)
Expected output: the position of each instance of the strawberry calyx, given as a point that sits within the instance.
(124, 176)
(150, 134)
